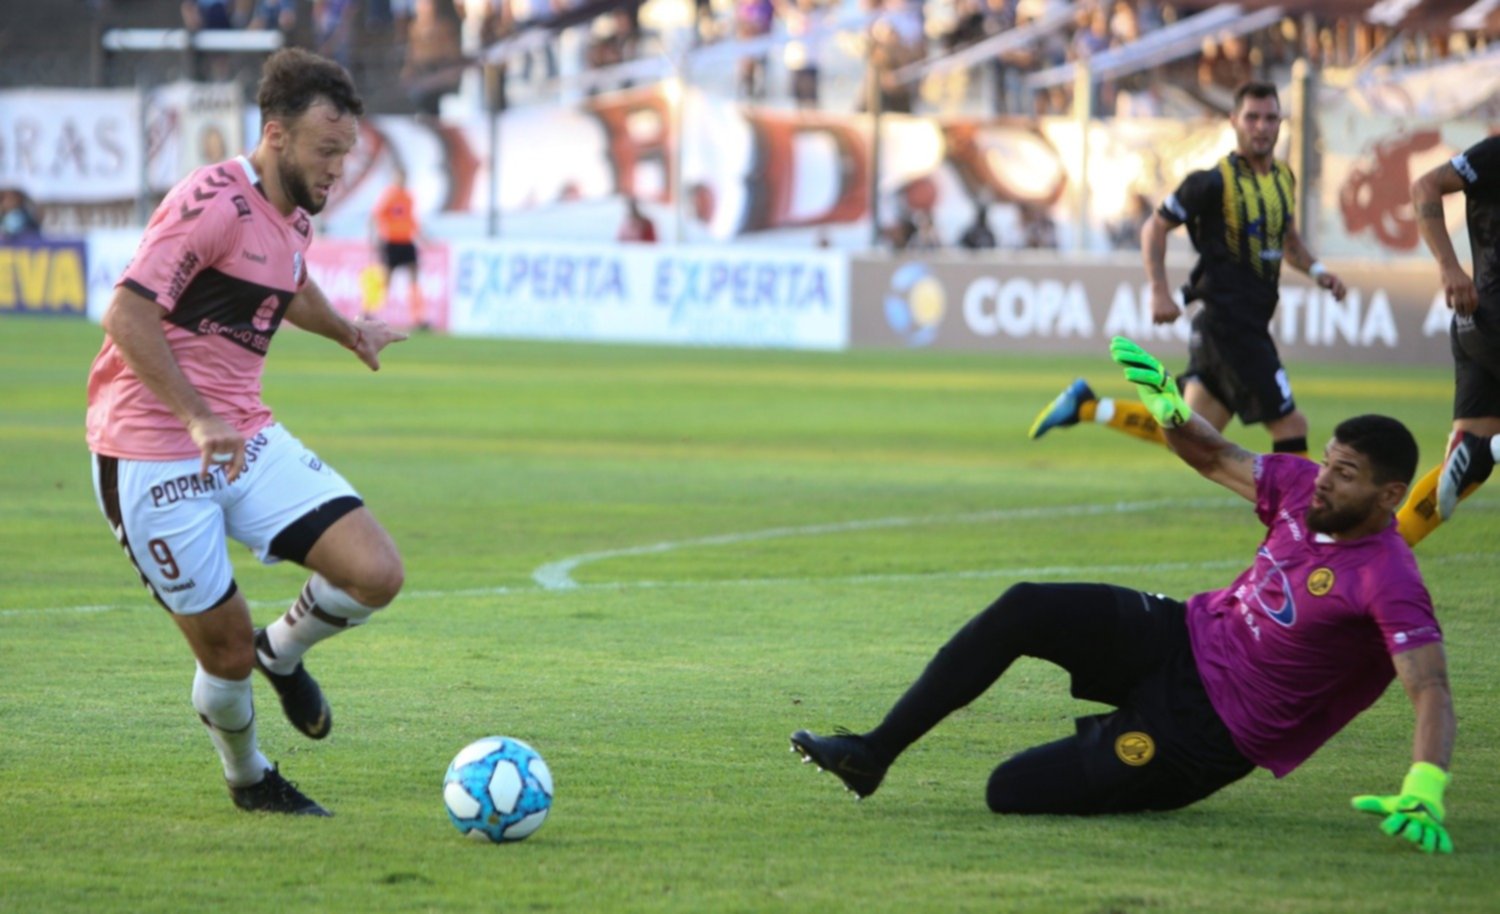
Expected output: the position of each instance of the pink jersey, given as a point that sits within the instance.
(1301, 642)
(223, 264)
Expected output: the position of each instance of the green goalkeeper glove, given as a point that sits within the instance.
(1154, 383)
(1417, 813)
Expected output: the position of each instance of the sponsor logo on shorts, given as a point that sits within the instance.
(189, 485)
(312, 462)
(1320, 582)
(179, 588)
(1135, 748)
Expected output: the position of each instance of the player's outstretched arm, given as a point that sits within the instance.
(1417, 812)
(311, 310)
(1190, 437)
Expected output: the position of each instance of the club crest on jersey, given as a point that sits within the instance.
(1135, 748)
(1320, 582)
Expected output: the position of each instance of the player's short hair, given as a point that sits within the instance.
(1254, 89)
(1389, 446)
(293, 79)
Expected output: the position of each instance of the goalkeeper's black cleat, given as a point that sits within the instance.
(1063, 410)
(847, 755)
(275, 793)
(301, 699)
(1469, 463)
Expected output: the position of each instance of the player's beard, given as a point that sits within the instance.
(295, 185)
(1333, 519)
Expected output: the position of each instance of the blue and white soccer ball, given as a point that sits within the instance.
(498, 789)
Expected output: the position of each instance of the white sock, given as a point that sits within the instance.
(225, 706)
(1104, 410)
(320, 611)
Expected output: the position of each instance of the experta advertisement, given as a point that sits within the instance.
(692, 296)
(1392, 313)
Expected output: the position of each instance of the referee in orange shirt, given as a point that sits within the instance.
(395, 226)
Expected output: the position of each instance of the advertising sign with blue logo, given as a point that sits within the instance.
(693, 296)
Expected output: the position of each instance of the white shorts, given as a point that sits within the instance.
(173, 522)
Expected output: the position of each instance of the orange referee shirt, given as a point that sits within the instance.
(395, 216)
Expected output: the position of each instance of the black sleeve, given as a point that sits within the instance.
(1479, 165)
(1200, 192)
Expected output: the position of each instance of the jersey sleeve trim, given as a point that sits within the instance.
(139, 289)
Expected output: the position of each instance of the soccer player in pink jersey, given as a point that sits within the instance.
(185, 453)
(1261, 673)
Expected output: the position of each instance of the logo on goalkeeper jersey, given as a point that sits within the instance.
(1320, 582)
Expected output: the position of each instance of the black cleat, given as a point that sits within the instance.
(301, 699)
(275, 793)
(846, 755)
(1469, 464)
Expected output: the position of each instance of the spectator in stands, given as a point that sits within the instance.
(752, 19)
(434, 58)
(1094, 38)
(280, 15)
(978, 236)
(18, 215)
(333, 29)
(1037, 227)
(198, 15)
(896, 40)
(801, 51)
(527, 12)
(402, 13)
(636, 227)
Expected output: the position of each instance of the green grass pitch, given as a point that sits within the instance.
(734, 545)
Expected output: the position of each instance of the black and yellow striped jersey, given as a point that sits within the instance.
(1237, 220)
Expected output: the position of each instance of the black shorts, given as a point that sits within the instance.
(1476, 370)
(1241, 368)
(399, 254)
(1163, 748)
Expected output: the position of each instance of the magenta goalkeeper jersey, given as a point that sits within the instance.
(1301, 642)
(223, 264)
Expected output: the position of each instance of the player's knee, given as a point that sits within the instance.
(232, 660)
(1045, 779)
(381, 582)
(1013, 614)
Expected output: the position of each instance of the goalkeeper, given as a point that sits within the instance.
(1260, 673)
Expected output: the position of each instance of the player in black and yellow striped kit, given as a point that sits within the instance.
(1240, 215)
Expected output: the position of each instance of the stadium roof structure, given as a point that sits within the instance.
(1443, 15)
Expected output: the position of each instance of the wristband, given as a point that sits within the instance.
(1426, 780)
(1317, 270)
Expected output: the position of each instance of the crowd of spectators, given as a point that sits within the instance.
(423, 45)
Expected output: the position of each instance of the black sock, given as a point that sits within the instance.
(961, 671)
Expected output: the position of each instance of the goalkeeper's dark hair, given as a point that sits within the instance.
(293, 79)
(1387, 443)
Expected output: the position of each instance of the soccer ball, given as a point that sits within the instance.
(497, 789)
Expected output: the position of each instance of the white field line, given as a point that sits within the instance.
(556, 576)
(559, 575)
